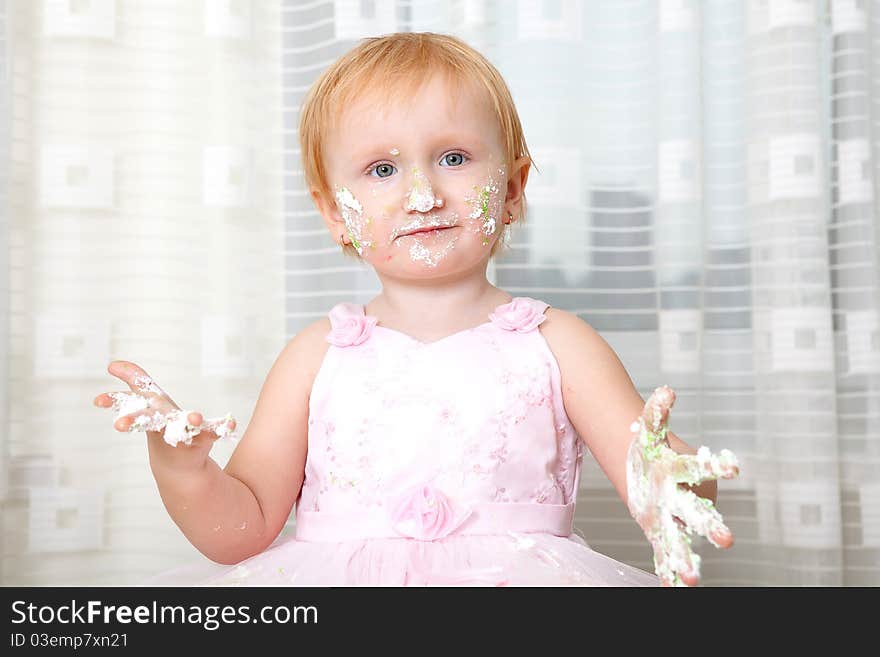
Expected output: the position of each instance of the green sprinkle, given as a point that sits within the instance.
(484, 202)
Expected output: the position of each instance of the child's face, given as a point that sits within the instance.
(434, 164)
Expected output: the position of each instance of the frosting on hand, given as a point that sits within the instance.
(156, 418)
(668, 513)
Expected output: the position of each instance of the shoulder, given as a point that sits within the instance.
(314, 332)
(311, 340)
(575, 344)
(306, 350)
(564, 330)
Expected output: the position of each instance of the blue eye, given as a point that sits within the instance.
(383, 170)
(454, 159)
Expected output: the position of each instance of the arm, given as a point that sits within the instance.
(600, 398)
(233, 513)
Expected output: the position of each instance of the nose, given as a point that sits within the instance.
(420, 196)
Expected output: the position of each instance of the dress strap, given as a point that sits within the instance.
(538, 305)
(349, 325)
(522, 314)
(342, 311)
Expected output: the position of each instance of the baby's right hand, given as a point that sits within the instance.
(148, 408)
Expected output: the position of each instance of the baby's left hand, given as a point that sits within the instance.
(666, 511)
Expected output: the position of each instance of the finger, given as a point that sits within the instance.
(728, 464)
(180, 428)
(701, 517)
(125, 423)
(116, 367)
(125, 371)
(125, 403)
(662, 567)
(686, 562)
(696, 468)
(146, 420)
(223, 427)
(682, 560)
(136, 378)
(721, 537)
(656, 410)
(110, 399)
(103, 400)
(689, 579)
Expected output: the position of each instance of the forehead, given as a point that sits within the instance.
(438, 102)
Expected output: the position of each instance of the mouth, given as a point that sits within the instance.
(422, 229)
(425, 231)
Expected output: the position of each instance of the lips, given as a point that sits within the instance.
(425, 227)
(425, 230)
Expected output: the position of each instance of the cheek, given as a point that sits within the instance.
(379, 208)
(485, 203)
(382, 200)
(366, 213)
(356, 212)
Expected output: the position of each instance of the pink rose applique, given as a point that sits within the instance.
(425, 513)
(519, 315)
(350, 325)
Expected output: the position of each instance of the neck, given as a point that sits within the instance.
(436, 303)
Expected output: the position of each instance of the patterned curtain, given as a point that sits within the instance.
(705, 197)
(142, 221)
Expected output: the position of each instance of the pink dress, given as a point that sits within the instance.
(444, 463)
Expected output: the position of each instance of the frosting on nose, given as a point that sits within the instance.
(420, 196)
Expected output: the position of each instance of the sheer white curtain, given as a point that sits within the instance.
(142, 221)
(706, 200)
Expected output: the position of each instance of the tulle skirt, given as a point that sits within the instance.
(513, 559)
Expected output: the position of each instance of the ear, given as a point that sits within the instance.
(516, 185)
(329, 212)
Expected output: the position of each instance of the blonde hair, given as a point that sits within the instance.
(394, 66)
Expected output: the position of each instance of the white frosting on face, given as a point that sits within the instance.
(420, 203)
(488, 203)
(429, 248)
(421, 195)
(353, 215)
